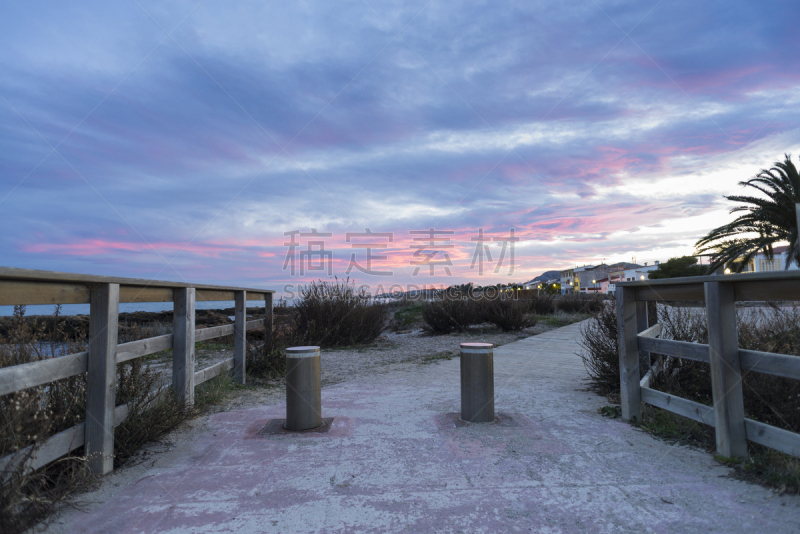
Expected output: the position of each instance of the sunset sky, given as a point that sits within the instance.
(182, 140)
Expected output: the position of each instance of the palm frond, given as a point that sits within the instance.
(763, 221)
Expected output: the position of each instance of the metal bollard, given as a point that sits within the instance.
(477, 382)
(303, 399)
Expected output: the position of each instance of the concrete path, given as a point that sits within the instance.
(394, 461)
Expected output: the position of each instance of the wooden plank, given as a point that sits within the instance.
(770, 363)
(120, 414)
(32, 292)
(21, 292)
(650, 375)
(240, 337)
(628, 355)
(653, 331)
(203, 334)
(676, 292)
(757, 290)
(145, 294)
(786, 276)
(210, 295)
(32, 275)
(678, 349)
(693, 410)
(50, 450)
(102, 377)
(726, 375)
(183, 339)
(28, 375)
(143, 347)
(773, 437)
(210, 372)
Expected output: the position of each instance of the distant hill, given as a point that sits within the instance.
(546, 276)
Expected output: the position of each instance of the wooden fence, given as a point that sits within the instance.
(727, 360)
(104, 294)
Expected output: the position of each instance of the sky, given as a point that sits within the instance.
(220, 142)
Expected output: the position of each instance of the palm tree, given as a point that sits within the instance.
(765, 221)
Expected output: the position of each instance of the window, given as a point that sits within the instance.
(769, 265)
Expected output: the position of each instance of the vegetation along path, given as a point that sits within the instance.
(394, 460)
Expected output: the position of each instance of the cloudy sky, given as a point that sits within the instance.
(191, 140)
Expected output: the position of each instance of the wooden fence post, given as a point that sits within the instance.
(183, 345)
(630, 392)
(240, 336)
(726, 374)
(101, 384)
(268, 317)
(641, 326)
(797, 218)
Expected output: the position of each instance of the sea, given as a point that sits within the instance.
(127, 307)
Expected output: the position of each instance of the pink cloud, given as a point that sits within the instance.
(101, 247)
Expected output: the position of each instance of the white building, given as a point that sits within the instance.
(639, 273)
(780, 256)
(629, 275)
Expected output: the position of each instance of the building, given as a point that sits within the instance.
(542, 284)
(568, 280)
(780, 257)
(571, 278)
(601, 286)
(591, 280)
(628, 272)
(761, 264)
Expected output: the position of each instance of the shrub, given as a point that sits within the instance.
(267, 359)
(770, 399)
(336, 314)
(408, 316)
(580, 303)
(507, 314)
(150, 414)
(601, 351)
(542, 304)
(448, 315)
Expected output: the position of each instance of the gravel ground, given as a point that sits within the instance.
(392, 351)
(415, 346)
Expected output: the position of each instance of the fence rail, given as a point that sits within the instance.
(726, 359)
(104, 294)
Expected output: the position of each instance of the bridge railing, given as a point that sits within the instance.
(104, 294)
(722, 353)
